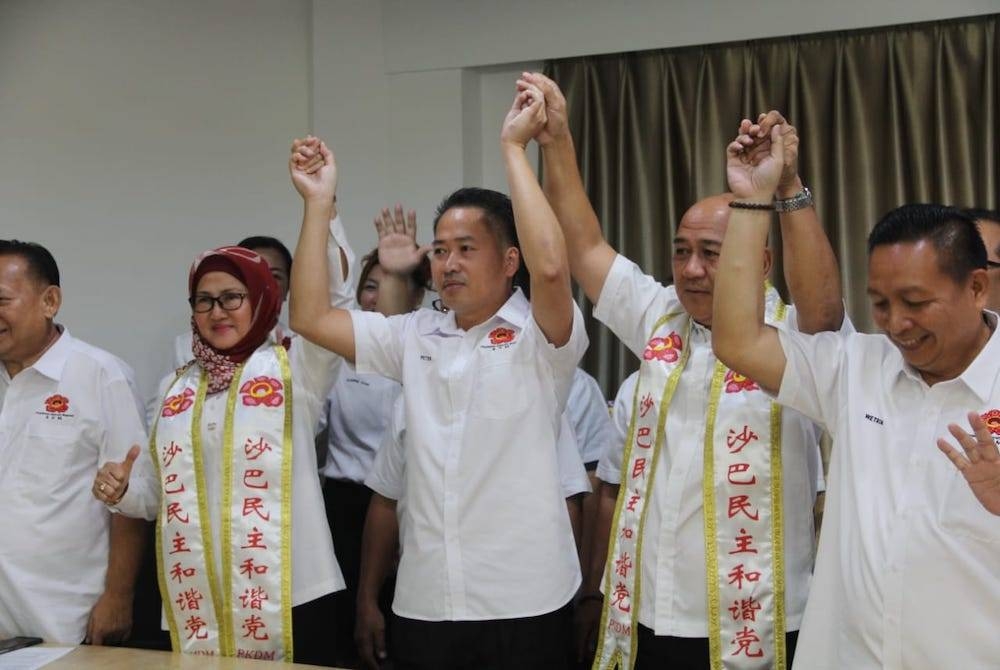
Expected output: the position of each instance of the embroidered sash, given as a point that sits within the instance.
(246, 610)
(742, 508)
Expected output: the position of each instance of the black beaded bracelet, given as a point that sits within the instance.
(739, 204)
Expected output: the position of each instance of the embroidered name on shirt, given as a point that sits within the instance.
(875, 419)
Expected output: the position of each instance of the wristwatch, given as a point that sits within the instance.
(800, 200)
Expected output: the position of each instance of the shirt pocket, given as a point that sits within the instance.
(503, 390)
(964, 515)
(46, 459)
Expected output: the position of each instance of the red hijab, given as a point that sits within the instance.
(265, 302)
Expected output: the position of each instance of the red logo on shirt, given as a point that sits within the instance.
(262, 391)
(177, 404)
(666, 349)
(992, 421)
(502, 336)
(56, 404)
(735, 382)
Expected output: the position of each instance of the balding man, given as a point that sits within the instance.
(743, 597)
(67, 565)
(988, 222)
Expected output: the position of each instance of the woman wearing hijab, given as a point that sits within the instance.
(245, 561)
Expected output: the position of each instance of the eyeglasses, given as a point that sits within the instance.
(992, 265)
(206, 303)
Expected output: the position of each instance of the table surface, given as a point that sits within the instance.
(122, 658)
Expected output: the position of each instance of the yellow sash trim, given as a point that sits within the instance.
(161, 572)
(223, 602)
(227, 639)
(708, 507)
(616, 659)
(286, 507)
(777, 520)
(203, 513)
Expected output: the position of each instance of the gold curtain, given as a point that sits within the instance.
(886, 116)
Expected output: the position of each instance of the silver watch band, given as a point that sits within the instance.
(800, 200)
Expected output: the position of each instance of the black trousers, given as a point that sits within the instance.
(533, 643)
(312, 626)
(346, 509)
(656, 652)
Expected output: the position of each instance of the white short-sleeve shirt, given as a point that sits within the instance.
(673, 549)
(908, 571)
(587, 411)
(60, 419)
(357, 417)
(386, 476)
(484, 532)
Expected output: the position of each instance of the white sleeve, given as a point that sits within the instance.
(564, 359)
(610, 466)
(314, 368)
(572, 474)
(388, 471)
(815, 374)
(379, 342)
(631, 302)
(587, 411)
(125, 426)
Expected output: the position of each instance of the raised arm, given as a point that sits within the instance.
(590, 255)
(314, 175)
(810, 266)
(399, 255)
(542, 244)
(740, 338)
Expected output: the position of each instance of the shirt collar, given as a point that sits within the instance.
(980, 376)
(52, 362)
(515, 311)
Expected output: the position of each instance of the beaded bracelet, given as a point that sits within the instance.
(738, 204)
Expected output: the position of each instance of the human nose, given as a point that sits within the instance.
(899, 321)
(693, 267)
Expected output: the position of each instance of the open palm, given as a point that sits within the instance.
(980, 464)
(398, 252)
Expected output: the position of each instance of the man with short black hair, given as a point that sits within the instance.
(67, 565)
(906, 575)
(488, 564)
(988, 221)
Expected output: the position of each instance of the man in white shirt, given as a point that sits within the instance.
(906, 575)
(488, 564)
(67, 564)
(988, 222)
(654, 511)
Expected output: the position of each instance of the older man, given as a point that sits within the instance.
(713, 515)
(988, 222)
(906, 575)
(67, 564)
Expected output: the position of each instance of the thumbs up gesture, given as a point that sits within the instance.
(111, 481)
